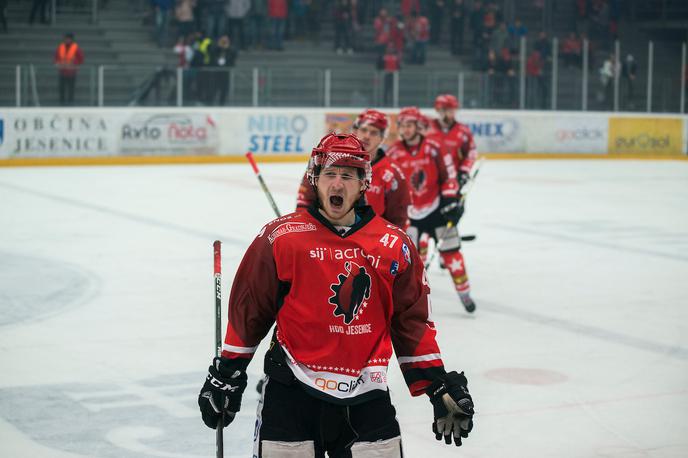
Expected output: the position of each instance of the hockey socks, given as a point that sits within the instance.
(453, 260)
(423, 242)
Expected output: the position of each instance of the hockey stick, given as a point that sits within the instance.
(466, 189)
(252, 161)
(217, 258)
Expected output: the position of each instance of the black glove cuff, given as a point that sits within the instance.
(227, 367)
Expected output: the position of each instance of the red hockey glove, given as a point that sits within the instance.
(452, 406)
(221, 392)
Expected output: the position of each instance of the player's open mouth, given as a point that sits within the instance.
(337, 201)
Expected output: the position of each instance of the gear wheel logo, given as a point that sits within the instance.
(351, 291)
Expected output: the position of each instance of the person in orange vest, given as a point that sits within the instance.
(68, 57)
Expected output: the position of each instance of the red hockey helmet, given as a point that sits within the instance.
(446, 101)
(412, 114)
(342, 150)
(373, 118)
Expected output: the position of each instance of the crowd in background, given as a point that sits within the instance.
(211, 33)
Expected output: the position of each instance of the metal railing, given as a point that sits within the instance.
(586, 84)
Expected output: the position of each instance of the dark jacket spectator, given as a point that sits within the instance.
(277, 12)
(223, 56)
(544, 45)
(437, 11)
(343, 26)
(457, 19)
(571, 50)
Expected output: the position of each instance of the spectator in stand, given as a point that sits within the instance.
(390, 65)
(343, 25)
(184, 49)
(507, 73)
(491, 19)
(490, 68)
(608, 73)
(628, 72)
(398, 36)
(162, 20)
(571, 50)
(537, 83)
(407, 7)
(40, 9)
(314, 19)
(3, 14)
(236, 11)
(68, 57)
(223, 56)
(200, 62)
(184, 15)
(544, 46)
(298, 13)
(500, 38)
(383, 25)
(437, 10)
(215, 18)
(582, 15)
(457, 17)
(420, 31)
(479, 34)
(517, 31)
(277, 12)
(256, 24)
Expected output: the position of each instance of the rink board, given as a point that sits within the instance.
(101, 136)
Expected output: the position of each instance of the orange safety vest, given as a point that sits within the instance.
(64, 55)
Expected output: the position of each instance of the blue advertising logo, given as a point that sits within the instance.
(277, 133)
(2, 130)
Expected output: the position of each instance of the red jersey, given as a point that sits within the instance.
(430, 171)
(341, 303)
(388, 193)
(458, 142)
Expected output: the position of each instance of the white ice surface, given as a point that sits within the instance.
(579, 346)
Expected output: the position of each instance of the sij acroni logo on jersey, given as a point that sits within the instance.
(394, 268)
(351, 291)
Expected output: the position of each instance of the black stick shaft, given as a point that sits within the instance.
(217, 268)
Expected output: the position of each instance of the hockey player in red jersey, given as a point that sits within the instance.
(344, 287)
(457, 140)
(455, 137)
(388, 193)
(436, 207)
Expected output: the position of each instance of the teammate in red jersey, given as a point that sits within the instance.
(388, 193)
(456, 137)
(457, 140)
(345, 287)
(434, 192)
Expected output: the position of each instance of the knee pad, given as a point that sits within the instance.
(278, 449)
(451, 240)
(389, 448)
